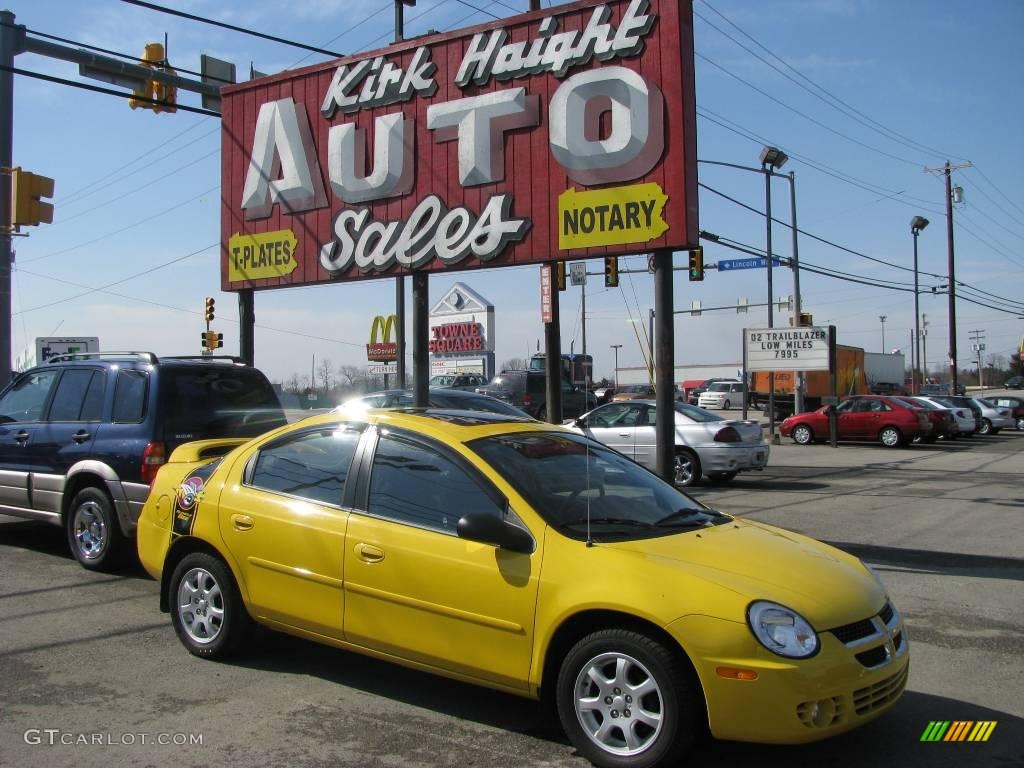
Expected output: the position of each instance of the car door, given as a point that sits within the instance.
(614, 425)
(67, 435)
(285, 521)
(645, 437)
(414, 589)
(21, 410)
(848, 419)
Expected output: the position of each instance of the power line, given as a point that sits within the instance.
(107, 91)
(847, 108)
(997, 189)
(232, 27)
(388, 5)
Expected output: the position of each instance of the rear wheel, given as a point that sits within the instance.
(802, 435)
(1020, 423)
(93, 531)
(986, 427)
(891, 437)
(206, 610)
(687, 470)
(626, 701)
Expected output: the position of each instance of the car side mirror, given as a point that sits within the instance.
(488, 528)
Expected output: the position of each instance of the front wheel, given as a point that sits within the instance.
(1020, 424)
(626, 701)
(802, 435)
(93, 531)
(890, 437)
(986, 427)
(206, 610)
(687, 470)
(726, 405)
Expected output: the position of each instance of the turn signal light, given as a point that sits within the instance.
(734, 673)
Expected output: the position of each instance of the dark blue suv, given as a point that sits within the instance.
(83, 436)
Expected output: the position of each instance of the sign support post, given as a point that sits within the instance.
(553, 348)
(665, 426)
(832, 425)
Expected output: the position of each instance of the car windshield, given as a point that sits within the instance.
(693, 413)
(722, 386)
(579, 486)
(634, 388)
(442, 381)
(920, 403)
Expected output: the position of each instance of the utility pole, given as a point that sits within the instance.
(616, 347)
(583, 314)
(923, 362)
(8, 43)
(947, 171)
(978, 345)
(882, 318)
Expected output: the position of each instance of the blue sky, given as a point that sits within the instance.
(921, 82)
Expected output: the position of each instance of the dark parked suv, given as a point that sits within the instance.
(82, 436)
(527, 390)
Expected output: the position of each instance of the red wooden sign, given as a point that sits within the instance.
(564, 133)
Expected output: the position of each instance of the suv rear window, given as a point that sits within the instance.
(217, 401)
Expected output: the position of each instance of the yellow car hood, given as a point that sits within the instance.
(826, 586)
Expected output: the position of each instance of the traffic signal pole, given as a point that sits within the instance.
(8, 47)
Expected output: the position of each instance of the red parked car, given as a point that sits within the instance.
(889, 420)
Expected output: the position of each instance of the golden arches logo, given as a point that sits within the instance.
(384, 351)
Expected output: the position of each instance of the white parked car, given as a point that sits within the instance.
(994, 417)
(724, 395)
(964, 416)
(707, 445)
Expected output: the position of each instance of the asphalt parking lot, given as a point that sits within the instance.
(87, 654)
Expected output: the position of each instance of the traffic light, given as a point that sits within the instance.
(560, 275)
(611, 271)
(154, 57)
(27, 193)
(209, 308)
(697, 264)
(806, 320)
(213, 340)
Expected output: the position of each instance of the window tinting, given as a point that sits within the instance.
(130, 396)
(218, 401)
(415, 484)
(92, 408)
(313, 465)
(25, 400)
(70, 395)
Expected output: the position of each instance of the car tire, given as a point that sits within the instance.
(596, 687)
(686, 469)
(726, 405)
(93, 531)
(207, 611)
(802, 434)
(722, 477)
(986, 427)
(1020, 424)
(890, 437)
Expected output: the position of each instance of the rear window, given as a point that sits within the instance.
(217, 401)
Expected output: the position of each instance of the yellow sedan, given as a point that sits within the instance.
(524, 557)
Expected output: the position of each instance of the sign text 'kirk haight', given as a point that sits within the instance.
(545, 135)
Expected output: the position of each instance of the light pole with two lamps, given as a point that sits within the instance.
(917, 224)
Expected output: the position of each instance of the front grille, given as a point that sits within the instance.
(867, 700)
(851, 633)
(897, 641)
(886, 613)
(873, 658)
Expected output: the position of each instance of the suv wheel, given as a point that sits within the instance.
(93, 531)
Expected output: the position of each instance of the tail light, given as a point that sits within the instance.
(154, 457)
(527, 400)
(728, 435)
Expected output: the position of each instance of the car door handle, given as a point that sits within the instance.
(81, 436)
(242, 522)
(623, 434)
(369, 553)
(21, 437)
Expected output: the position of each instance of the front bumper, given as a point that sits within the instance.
(794, 701)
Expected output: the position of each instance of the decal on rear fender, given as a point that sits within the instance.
(188, 496)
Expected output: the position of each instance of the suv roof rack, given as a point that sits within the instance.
(211, 358)
(147, 356)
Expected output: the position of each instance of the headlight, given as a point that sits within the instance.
(781, 630)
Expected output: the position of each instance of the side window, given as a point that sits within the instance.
(92, 408)
(130, 396)
(25, 400)
(847, 406)
(608, 416)
(651, 417)
(312, 465)
(415, 484)
(70, 395)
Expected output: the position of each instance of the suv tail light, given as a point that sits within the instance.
(154, 457)
(728, 435)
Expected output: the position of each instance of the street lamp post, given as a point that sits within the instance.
(616, 347)
(917, 224)
(882, 318)
(771, 158)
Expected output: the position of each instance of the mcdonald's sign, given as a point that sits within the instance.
(385, 350)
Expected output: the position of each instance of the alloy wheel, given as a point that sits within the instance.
(619, 704)
(201, 606)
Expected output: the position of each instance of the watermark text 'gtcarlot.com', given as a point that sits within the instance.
(54, 736)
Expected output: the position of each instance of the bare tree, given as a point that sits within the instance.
(325, 375)
(514, 364)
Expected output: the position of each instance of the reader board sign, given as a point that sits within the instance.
(787, 349)
(564, 133)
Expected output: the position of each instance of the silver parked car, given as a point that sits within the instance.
(994, 417)
(965, 421)
(707, 445)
